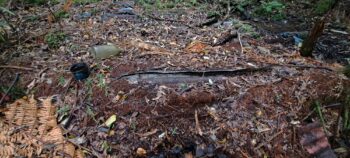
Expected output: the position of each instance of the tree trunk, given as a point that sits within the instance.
(316, 31)
(310, 42)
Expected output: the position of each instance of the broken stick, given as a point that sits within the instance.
(16, 67)
(231, 34)
(198, 128)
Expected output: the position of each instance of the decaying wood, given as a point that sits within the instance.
(310, 42)
(202, 73)
(227, 38)
(316, 31)
(209, 22)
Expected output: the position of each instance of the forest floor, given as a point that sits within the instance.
(178, 88)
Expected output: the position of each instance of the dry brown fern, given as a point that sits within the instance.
(29, 128)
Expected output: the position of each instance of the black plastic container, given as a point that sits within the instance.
(80, 71)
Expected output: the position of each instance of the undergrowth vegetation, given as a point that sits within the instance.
(3, 33)
(5, 26)
(61, 14)
(272, 9)
(323, 6)
(2, 2)
(15, 92)
(346, 71)
(343, 114)
(54, 39)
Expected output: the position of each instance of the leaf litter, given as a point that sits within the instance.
(252, 114)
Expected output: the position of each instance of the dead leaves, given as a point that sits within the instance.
(197, 47)
(141, 152)
(148, 49)
(29, 126)
(67, 5)
(50, 18)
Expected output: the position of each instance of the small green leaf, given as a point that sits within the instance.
(63, 110)
(5, 10)
(61, 81)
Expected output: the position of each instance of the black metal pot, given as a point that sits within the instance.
(80, 71)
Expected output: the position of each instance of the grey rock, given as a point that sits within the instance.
(264, 50)
(127, 10)
(84, 15)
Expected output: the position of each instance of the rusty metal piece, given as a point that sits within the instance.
(315, 141)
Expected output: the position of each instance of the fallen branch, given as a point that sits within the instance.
(16, 67)
(337, 31)
(227, 38)
(299, 66)
(201, 73)
(169, 20)
(162, 19)
(304, 66)
(210, 73)
(155, 53)
(198, 128)
(240, 41)
(178, 114)
(210, 22)
(154, 131)
(308, 115)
